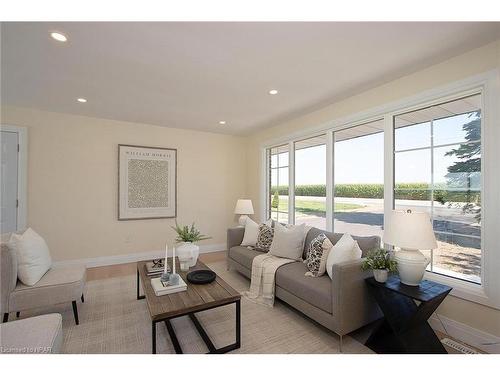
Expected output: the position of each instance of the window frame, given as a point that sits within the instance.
(488, 85)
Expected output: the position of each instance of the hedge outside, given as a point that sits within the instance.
(413, 191)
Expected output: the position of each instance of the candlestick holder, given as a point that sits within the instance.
(165, 277)
(174, 279)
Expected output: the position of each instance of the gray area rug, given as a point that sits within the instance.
(112, 320)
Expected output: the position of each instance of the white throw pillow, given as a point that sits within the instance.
(251, 233)
(33, 257)
(344, 250)
(288, 242)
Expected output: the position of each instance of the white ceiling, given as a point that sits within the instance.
(192, 75)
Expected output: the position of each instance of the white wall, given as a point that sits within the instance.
(475, 62)
(73, 183)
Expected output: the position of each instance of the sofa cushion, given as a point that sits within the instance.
(243, 255)
(365, 243)
(314, 290)
(59, 285)
(37, 335)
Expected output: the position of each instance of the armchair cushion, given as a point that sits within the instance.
(59, 285)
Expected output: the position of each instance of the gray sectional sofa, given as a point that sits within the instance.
(341, 305)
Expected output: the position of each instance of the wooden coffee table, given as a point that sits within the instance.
(195, 299)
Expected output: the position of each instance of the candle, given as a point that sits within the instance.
(166, 258)
(173, 261)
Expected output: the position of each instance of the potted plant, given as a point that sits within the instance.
(379, 260)
(188, 252)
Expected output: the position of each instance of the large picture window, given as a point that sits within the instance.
(437, 169)
(358, 176)
(310, 182)
(278, 183)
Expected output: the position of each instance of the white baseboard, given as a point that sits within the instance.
(479, 339)
(133, 257)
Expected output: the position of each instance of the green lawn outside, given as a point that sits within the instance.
(315, 207)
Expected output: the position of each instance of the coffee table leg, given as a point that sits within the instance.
(153, 336)
(138, 284)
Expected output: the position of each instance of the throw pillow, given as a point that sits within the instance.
(344, 250)
(288, 242)
(265, 238)
(33, 257)
(251, 233)
(317, 254)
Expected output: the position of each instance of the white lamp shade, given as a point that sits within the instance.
(409, 230)
(243, 207)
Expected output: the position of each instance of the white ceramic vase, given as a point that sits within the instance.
(380, 275)
(188, 254)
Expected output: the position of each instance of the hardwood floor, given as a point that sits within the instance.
(117, 270)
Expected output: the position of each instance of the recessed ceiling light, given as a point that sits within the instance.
(82, 100)
(58, 36)
(273, 92)
(222, 122)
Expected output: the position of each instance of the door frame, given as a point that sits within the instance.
(22, 173)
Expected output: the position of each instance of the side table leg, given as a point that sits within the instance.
(238, 323)
(153, 337)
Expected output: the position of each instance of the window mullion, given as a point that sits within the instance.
(291, 183)
(329, 180)
(389, 154)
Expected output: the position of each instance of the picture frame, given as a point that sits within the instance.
(147, 182)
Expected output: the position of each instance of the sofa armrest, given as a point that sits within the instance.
(234, 236)
(353, 306)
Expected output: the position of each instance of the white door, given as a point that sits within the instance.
(9, 199)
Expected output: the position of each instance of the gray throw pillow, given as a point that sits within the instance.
(288, 242)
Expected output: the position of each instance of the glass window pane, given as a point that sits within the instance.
(283, 217)
(413, 136)
(274, 178)
(274, 161)
(283, 177)
(412, 169)
(458, 168)
(452, 130)
(359, 180)
(310, 182)
(283, 159)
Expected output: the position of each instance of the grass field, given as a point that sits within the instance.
(315, 207)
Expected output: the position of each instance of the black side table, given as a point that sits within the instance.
(404, 328)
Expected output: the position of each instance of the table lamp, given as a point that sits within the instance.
(411, 232)
(243, 207)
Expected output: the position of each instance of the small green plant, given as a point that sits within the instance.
(188, 233)
(379, 259)
(276, 200)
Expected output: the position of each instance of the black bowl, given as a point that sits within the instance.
(201, 276)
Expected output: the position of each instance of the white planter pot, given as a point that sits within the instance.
(381, 275)
(188, 254)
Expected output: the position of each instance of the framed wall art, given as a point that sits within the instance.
(147, 182)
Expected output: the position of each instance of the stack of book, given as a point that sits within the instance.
(156, 267)
(162, 288)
